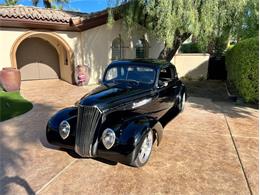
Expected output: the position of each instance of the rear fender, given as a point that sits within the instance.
(158, 132)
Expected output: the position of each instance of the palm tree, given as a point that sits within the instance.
(48, 3)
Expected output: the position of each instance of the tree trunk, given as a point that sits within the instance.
(47, 3)
(168, 53)
(35, 2)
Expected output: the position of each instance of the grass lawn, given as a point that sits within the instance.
(12, 104)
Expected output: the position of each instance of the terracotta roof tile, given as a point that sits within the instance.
(36, 13)
(34, 17)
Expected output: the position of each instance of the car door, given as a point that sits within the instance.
(176, 84)
(165, 91)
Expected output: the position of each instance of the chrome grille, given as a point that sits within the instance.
(88, 120)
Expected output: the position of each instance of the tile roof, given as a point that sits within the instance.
(19, 16)
(38, 14)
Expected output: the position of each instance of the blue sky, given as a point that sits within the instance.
(77, 5)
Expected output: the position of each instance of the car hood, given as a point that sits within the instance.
(107, 96)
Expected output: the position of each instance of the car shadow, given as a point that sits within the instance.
(212, 96)
(73, 154)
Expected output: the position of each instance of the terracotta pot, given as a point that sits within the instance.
(81, 75)
(10, 79)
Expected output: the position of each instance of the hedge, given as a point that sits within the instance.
(242, 65)
(190, 48)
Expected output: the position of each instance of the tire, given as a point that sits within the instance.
(144, 151)
(181, 103)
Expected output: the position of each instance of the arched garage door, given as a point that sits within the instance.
(37, 59)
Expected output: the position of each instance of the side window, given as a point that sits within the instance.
(111, 74)
(165, 74)
(174, 72)
(115, 73)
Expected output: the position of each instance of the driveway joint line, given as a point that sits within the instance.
(239, 159)
(56, 176)
(214, 134)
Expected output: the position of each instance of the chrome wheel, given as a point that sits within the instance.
(146, 148)
(181, 103)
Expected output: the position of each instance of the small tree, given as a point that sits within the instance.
(10, 2)
(250, 20)
(49, 3)
(170, 21)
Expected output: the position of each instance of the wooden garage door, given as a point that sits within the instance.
(37, 59)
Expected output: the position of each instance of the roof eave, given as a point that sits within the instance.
(77, 23)
(25, 23)
(93, 22)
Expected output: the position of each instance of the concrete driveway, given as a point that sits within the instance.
(210, 148)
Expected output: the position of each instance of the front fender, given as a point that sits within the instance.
(129, 137)
(138, 127)
(52, 129)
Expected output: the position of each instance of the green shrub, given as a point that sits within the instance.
(190, 48)
(242, 65)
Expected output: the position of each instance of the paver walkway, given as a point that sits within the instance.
(210, 148)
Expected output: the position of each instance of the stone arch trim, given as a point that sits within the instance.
(28, 34)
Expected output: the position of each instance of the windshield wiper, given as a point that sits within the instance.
(126, 81)
(133, 81)
(116, 80)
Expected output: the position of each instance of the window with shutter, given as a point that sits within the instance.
(142, 49)
(117, 49)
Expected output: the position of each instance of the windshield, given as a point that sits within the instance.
(130, 73)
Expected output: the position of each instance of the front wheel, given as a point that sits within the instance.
(145, 150)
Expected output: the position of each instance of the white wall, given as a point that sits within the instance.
(7, 39)
(97, 42)
(191, 65)
(8, 36)
(74, 41)
(91, 47)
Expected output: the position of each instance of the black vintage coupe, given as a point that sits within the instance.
(119, 120)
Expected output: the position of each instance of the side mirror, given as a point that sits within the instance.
(162, 84)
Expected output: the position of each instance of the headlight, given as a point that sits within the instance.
(108, 138)
(64, 129)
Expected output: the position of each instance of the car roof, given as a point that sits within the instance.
(156, 63)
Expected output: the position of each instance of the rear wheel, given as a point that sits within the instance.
(145, 150)
(181, 103)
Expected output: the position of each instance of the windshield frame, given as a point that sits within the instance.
(104, 81)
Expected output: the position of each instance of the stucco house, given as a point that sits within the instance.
(46, 43)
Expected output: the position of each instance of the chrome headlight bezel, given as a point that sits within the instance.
(64, 129)
(108, 138)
